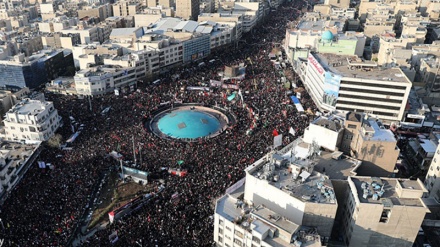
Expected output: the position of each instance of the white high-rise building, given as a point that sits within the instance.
(348, 83)
(31, 120)
(432, 180)
(280, 200)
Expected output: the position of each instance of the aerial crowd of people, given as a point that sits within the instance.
(48, 204)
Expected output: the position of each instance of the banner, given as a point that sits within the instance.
(197, 88)
(277, 141)
(230, 86)
(113, 238)
(215, 83)
(73, 137)
(292, 131)
(111, 216)
(231, 97)
(332, 82)
(41, 164)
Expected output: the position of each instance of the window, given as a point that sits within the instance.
(220, 239)
(384, 218)
(220, 231)
(239, 234)
(256, 240)
(32, 129)
(237, 241)
(438, 168)
(12, 128)
(351, 126)
(227, 228)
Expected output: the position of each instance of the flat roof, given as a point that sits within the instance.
(339, 64)
(380, 134)
(29, 106)
(337, 169)
(306, 191)
(226, 207)
(275, 219)
(389, 196)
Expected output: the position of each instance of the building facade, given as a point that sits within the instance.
(432, 180)
(188, 9)
(31, 120)
(350, 84)
(382, 211)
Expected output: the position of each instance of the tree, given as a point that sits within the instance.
(55, 141)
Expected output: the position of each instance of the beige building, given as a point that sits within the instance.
(367, 140)
(149, 17)
(31, 120)
(163, 3)
(376, 25)
(60, 40)
(382, 212)
(338, 3)
(102, 11)
(126, 8)
(395, 51)
(188, 9)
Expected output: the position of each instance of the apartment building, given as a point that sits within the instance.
(366, 139)
(31, 120)
(15, 160)
(382, 211)
(330, 127)
(126, 8)
(103, 79)
(188, 9)
(348, 83)
(275, 200)
(432, 180)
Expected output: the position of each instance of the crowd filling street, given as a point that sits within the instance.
(48, 204)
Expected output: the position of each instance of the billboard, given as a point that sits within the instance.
(315, 64)
(332, 83)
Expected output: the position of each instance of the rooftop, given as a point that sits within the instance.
(17, 153)
(331, 124)
(352, 66)
(28, 106)
(379, 133)
(291, 172)
(385, 191)
(337, 168)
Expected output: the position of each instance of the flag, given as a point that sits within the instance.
(275, 132)
(41, 164)
(292, 131)
(180, 162)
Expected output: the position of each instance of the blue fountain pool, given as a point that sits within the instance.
(188, 124)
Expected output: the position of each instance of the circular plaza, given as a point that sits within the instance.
(189, 122)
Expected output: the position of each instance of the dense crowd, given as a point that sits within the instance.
(47, 204)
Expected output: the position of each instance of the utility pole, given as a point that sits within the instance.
(140, 153)
(122, 170)
(90, 103)
(134, 151)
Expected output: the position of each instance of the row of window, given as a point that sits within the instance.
(372, 112)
